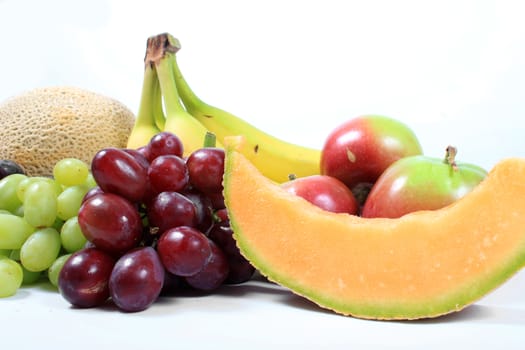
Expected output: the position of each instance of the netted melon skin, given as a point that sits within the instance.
(44, 125)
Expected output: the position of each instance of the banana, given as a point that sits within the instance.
(161, 53)
(274, 157)
(145, 126)
(158, 112)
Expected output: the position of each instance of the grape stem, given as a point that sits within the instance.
(210, 140)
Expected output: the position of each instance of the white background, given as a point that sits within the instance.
(452, 70)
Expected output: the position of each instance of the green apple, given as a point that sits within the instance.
(421, 183)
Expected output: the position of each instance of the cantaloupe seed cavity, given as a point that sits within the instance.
(44, 125)
(424, 264)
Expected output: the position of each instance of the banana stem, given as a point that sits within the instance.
(159, 46)
(160, 52)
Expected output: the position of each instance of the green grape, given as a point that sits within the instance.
(30, 277)
(14, 231)
(69, 201)
(5, 252)
(11, 276)
(71, 235)
(57, 225)
(90, 181)
(22, 186)
(19, 211)
(54, 269)
(40, 204)
(25, 183)
(70, 171)
(41, 249)
(8, 191)
(15, 255)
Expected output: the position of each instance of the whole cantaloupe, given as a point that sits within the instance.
(44, 125)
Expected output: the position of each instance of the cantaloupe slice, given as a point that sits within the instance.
(424, 264)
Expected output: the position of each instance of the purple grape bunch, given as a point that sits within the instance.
(156, 223)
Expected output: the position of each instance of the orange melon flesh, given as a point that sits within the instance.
(424, 264)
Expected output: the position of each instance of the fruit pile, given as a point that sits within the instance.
(154, 217)
(153, 221)
(373, 166)
(339, 177)
(38, 221)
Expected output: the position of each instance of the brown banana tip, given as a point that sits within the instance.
(158, 46)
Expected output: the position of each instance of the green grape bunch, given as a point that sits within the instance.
(39, 229)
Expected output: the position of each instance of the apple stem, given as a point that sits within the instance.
(450, 157)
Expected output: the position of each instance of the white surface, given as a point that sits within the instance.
(256, 315)
(452, 70)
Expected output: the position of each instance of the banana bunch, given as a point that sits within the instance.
(160, 107)
(189, 117)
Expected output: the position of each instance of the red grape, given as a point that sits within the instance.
(213, 274)
(172, 283)
(240, 269)
(93, 191)
(118, 172)
(222, 214)
(222, 234)
(111, 222)
(8, 167)
(217, 200)
(168, 173)
(164, 143)
(203, 210)
(137, 279)
(183, 250)
(206, 169)
(170, 209)
(84, 279)
(144, 150)
(139, 157)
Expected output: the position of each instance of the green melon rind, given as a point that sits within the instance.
(455, 300)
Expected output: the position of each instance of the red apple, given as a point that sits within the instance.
(324, 191)
(421, 183)
(359, 150)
